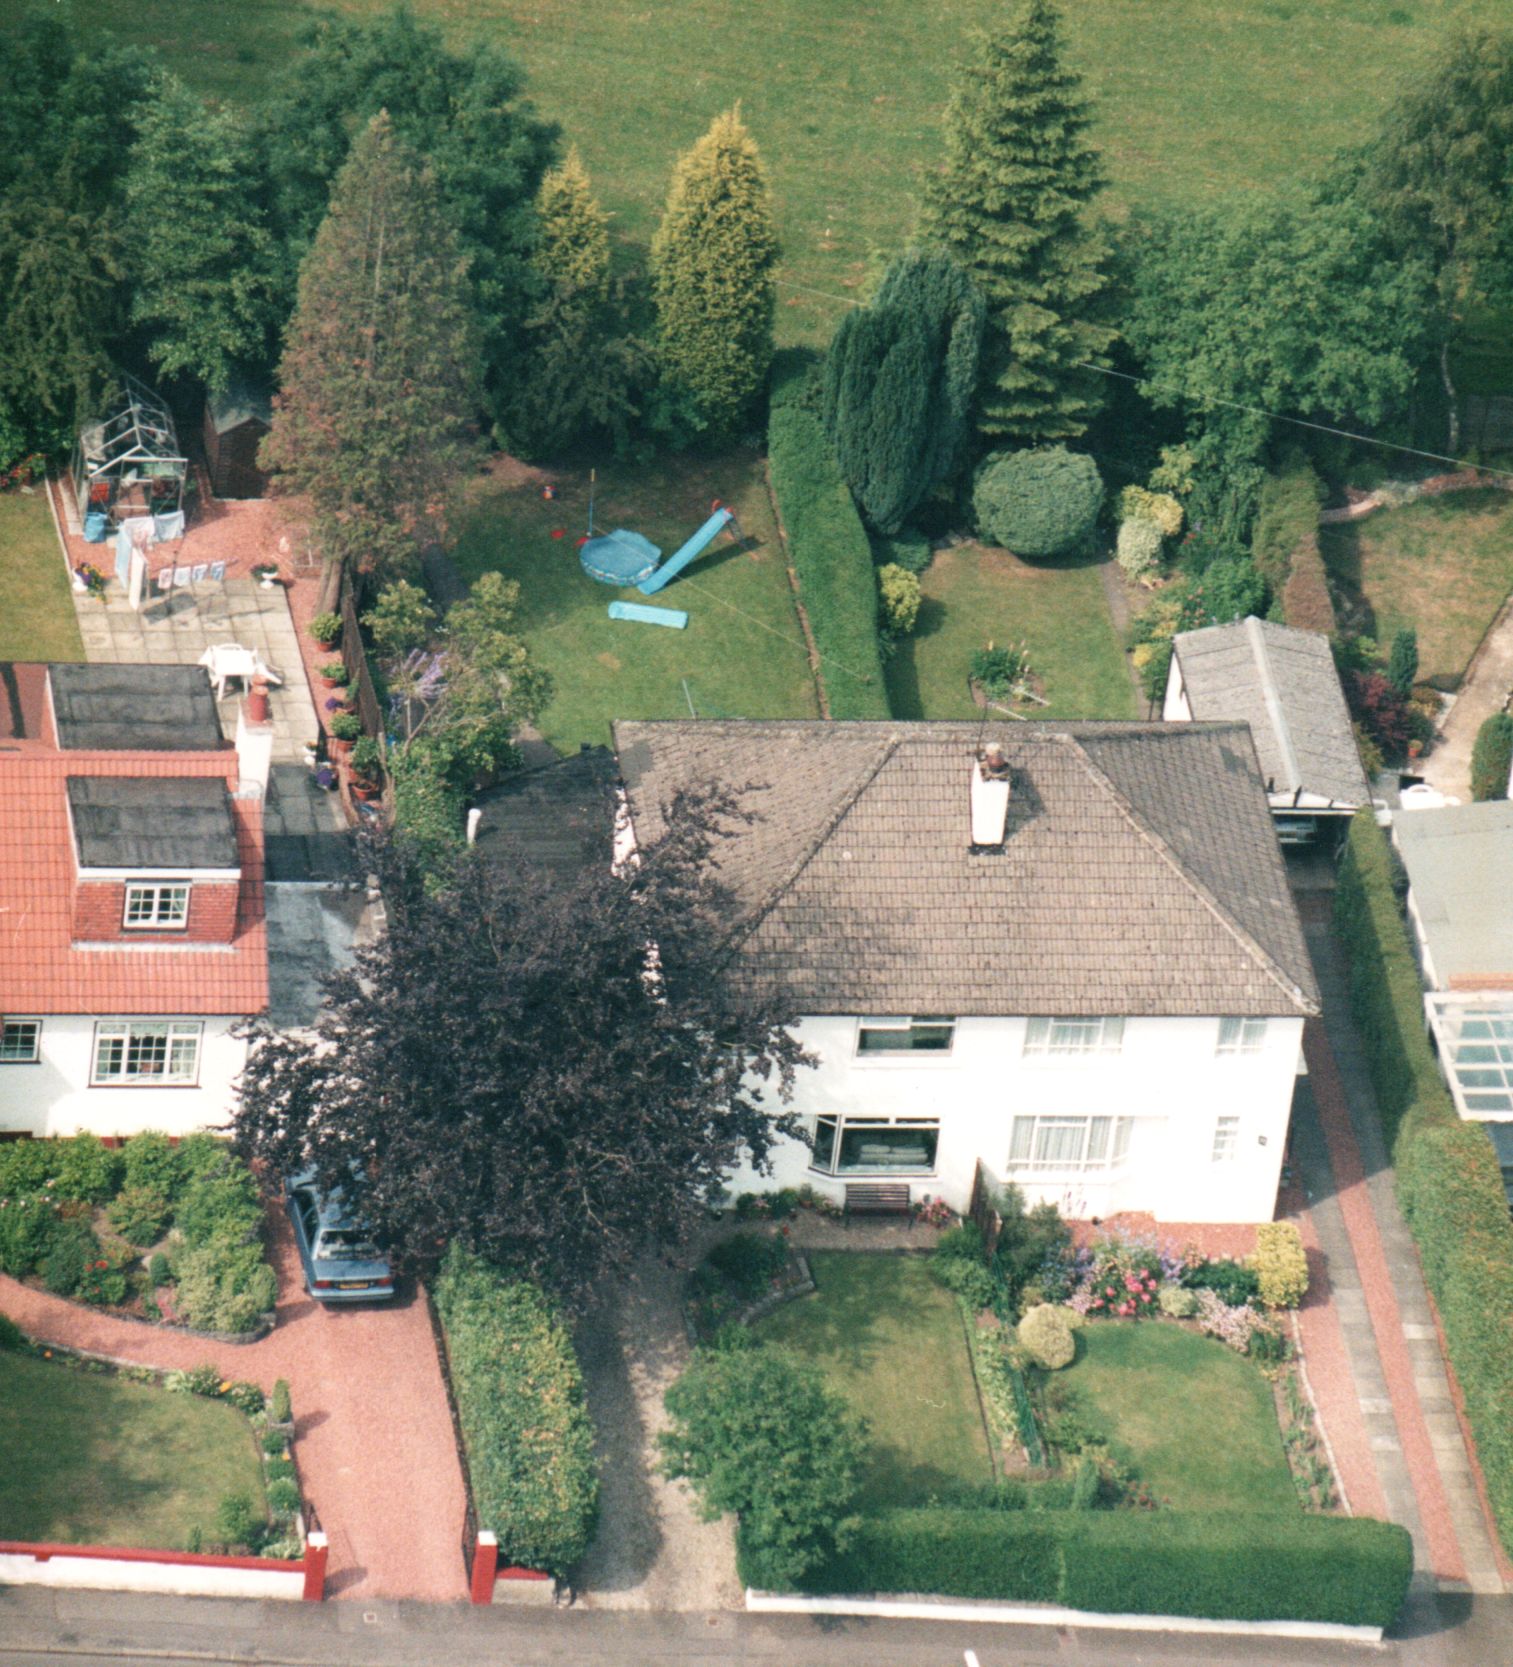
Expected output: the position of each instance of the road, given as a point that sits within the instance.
(107, 1629)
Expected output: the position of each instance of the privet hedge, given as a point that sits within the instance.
(1222, 1566)
(1448, 1180)
(1492, 757)
(831, 554)
(519, 1392)
(1287, 515)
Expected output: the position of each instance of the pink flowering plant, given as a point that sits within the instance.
(1122, 1277)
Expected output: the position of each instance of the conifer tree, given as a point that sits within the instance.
(1011, 204)
(379, 374)
(574, 248)
(712, 261)
(900, 380)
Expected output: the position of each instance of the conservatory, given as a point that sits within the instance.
(129, 464)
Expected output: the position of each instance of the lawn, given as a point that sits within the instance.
(1197, 100)
(1193, 1419)
(1442, 565)
(891, 1340)
(743, 653)
(93, 1459)
(973, 595)
(37, 619)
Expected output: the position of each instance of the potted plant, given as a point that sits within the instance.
(266, 573)
(325, 778)
(326, 630)
(345, 729)
(334, 675)
(366, 763)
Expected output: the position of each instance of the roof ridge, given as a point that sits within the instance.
(1273, 700)
(1252, 948)
(864, 780)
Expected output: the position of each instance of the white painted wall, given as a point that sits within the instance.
(203, 1579)
(1167, 1075)
(53, 1097)
(1175, 708)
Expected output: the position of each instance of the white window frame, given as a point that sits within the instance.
(32, 1058)
(1226, 1147)
(1072, 1038)
(167, 906)
(180, 1060)
(1238, 1036)
(1102, 1143)
(883, 1171)
(905, 1028)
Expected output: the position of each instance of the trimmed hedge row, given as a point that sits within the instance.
(1448, 1180)
(519, 1392)
(1221, 1566)
(1492, 757)
(831, 554)
(1287, 514)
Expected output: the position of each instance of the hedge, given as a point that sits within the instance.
(1448, 1180)
(1221, 1566)
(519, 1392)
(831, 554)
(1287, 515)
(1492, 757)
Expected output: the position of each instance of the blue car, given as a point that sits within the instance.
(342, 1264)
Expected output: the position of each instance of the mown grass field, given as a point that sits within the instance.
(1193, 1419)
(743, 654)
(1198, 100)
(37, 620)
(91, 1459)
(1443, 566)
(973, 596)
(890, 1340)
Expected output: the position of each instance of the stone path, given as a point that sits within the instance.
(373, 1434)
(1422, 1467)
(1489, 682)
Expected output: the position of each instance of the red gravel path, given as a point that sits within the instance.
(1381, 1304)
(373, 1433)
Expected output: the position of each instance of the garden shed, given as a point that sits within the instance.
(235, 423)
(129, 464)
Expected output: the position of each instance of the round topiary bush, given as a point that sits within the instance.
(1037, 503)
(1047, 1338)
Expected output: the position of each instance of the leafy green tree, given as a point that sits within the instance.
(401, 619)
(203, 266)
(1302, 309)
(1037, 503)
(379, 375)
(712, 262)
(1402, 662)
(1440, 176)
(1011, 203)
(464, 111)
(580, 363)
(900, 380)
(758, 1431)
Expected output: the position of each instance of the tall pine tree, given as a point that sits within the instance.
(1011, 203)
(379, 374)
(203, 264)
(900, 380)
(712, 262)
(574, 247)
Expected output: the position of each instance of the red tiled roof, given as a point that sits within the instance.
(40, 969)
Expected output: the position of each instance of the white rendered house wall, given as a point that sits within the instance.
(1202, 1137)
(55, 1096)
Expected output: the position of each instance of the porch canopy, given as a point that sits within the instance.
(129, 463)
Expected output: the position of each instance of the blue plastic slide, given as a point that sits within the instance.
(674, 618)
(675, 563)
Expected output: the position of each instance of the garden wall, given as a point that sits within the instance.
(1448, 1180)
(831, 554)
(116, 1569)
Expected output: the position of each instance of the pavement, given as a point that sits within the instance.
(1488, 684)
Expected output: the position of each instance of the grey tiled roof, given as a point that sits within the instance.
(1282, 683)
(1139, 874)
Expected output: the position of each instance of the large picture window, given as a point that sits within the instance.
(904, 1035)
(1053, 1037)
(1066, 1143)
(19, 1039)
(146, 1051)
(156, 907)
(875, 1146)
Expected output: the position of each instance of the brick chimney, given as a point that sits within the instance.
(990, 798)
(254, 742)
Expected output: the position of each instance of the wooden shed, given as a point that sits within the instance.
(235, 422)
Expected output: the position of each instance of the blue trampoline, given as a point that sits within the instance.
(619, 558)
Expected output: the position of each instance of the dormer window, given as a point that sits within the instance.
(156, 906)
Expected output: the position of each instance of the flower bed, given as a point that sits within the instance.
(153, 1230)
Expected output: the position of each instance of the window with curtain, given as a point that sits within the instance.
(1053, 1037)
(1069, 1142)
(1241, 1035)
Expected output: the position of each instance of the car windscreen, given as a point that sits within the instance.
(348, 1245)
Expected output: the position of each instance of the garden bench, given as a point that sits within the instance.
(878, 1198)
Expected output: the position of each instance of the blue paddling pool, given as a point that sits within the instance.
(619, 558)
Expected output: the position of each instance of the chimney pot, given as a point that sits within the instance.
(258, 711)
